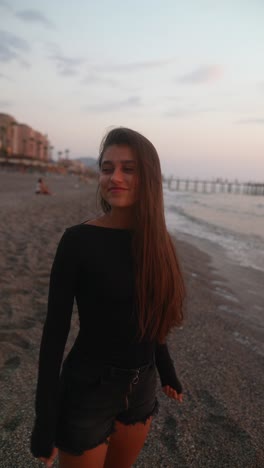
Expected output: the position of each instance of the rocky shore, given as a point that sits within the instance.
(218, 352)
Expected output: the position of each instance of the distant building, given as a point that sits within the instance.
(7, 125)
(18, 139)
(72, 165)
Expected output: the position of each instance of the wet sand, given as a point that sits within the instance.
(218, 352)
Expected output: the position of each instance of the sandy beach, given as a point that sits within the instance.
(219, 351)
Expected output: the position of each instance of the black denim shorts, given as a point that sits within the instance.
(92, 398)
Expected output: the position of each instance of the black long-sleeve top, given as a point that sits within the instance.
(93, 265)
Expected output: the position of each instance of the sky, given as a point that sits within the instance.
(189, 75)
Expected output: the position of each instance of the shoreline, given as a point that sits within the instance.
(228, 222)
(217, 351)
(240, 285)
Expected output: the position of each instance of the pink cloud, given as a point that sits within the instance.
(203, 74)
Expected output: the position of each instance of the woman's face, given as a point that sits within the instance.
(119, 177)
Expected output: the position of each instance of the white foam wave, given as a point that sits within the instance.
(234, 223)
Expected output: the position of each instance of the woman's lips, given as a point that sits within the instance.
(117, 189)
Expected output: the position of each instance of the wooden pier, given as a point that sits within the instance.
(218, 186)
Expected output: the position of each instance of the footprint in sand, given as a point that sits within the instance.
(221, 427)
(25, 324)
(169, 439)
(9, 366)
(12, 423)
(14, 338)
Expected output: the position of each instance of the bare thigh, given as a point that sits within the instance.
(125, 444)
(93, 458)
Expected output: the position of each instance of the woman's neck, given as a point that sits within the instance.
(119, 219)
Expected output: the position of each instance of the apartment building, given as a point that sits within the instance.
(18, 139)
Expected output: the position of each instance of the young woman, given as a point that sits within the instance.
(123, 272)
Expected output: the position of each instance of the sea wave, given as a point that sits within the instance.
(245, 248)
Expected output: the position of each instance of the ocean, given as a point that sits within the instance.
(233, 221)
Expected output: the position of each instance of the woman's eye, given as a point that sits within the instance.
(109, 170)
(129, 169)
(106, 170)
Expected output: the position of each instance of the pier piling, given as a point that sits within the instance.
(217, 186)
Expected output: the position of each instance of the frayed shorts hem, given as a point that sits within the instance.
(112, 430)
(103, 440)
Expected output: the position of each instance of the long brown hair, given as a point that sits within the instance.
(160, 288)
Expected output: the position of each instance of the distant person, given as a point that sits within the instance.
(123, 271)
(42, 188)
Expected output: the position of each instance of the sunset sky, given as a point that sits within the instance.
(188, 74)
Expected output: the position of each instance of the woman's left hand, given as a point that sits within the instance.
(171, 393)
(49, 461)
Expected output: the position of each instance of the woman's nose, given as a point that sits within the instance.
(116, 175)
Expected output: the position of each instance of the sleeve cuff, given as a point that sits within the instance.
(166, 368)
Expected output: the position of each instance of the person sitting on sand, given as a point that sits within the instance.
(42, 188)
(122, 269)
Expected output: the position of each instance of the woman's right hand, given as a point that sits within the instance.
(49, 461)
(171, 393)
